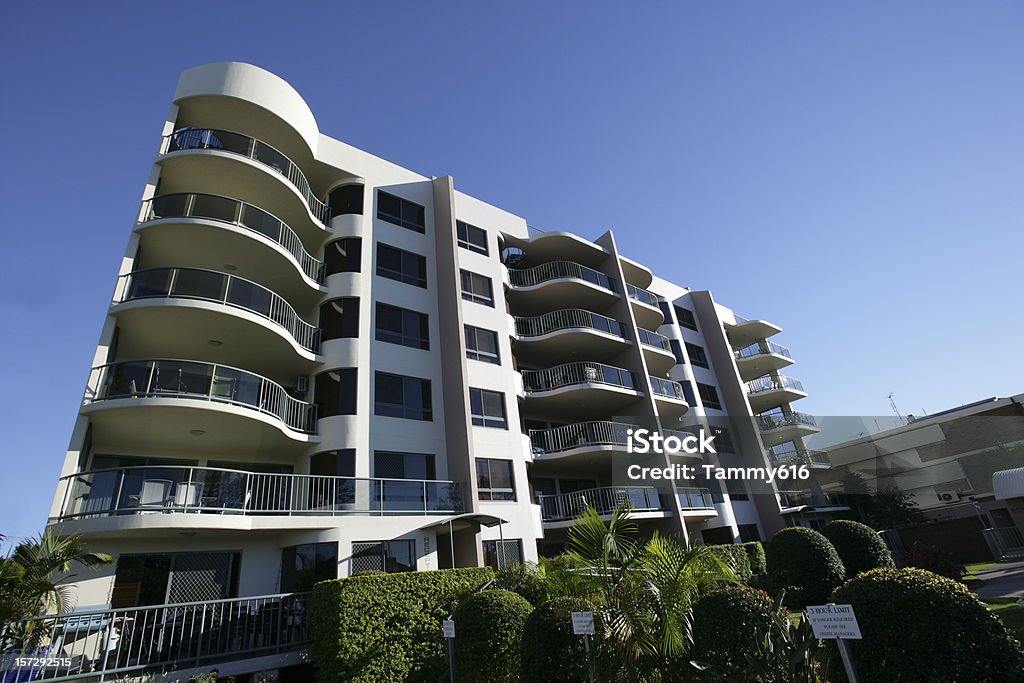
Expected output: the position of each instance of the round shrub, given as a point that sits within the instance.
(727, 624)
(488, 632)
(805, 564)
(524, 579)
(755, 555)
(551, 653)
(859, 546)
(919, 626)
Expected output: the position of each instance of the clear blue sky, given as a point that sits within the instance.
(851, 171)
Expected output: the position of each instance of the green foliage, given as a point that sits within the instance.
(755, 555)
(890, 507)
(859, 546)
(489, 630)
(726, 626)
(736, 558)
(386, 627)
(551, 653)
(528, 580)
(803, 563)
(934, 559)
(211, 677)
(919, 626)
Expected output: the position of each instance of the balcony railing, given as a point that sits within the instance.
(772, 383)
(777, 421)
(569, 374)
(579, 435)
(558, 270)
(802, 455)
(792, 499)
(166, 378)
(250, 148)
(667, 388)
(123, 643)
(213, 490)
(692, 498)
(641, 295)
(605, 499)
(239, 213)
(653, 339)
(567, 319)
(764, 348)
(230, 290)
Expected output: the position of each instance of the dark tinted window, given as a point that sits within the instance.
(390, 557)
(401, 265)
(340, 463)
(302, 566)
(400, 396)
(342, 256)
(476, 287)
(471, 237)
(401, 212)
(401, 326)
(335, 392)
(482, 345)
(339, 318)
(686, 318)
(494, 479)
(395, 465)
(697, 355)
(346, 199)
(488, 408)
(506, 553)
(709, 396)
(677, 351)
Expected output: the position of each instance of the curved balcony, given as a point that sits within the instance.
(233, 212)
(745, 332)
(696, 502)
(778, 428)
(669, 396)
(227, 407)
(564, 507)
(807, 501)
(579, 438)
(802, 456)
(580, 388)
(217, 497)
(772, 391)
(760, 359)
(569, 330)
(656, 349)
(536, 289)
(645, 307)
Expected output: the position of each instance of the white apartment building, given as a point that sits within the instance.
(317, 362)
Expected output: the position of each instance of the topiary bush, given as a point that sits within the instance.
(755, 556)
(859, 546)
(386, 627)
(551, 653)
(804, 563)
(735, 556)
(524, 579)
(727, 623)
(488, 633)
(919, 626)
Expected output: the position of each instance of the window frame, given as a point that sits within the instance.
(402, 275)
(474, 353)
(423, 414)
(483, 418)
(405, 207)
(463, 233)
(698, 355)
(495, 494)
(472, 294)
(385, 553)
(686, 318)
(709, 398)
(418, 340)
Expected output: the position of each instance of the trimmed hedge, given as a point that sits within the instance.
(735, 556)
(859, 546)
(805, 564)
(488, 633)
(919, 626)
(386, 627)
(727, 624)
(550, 651)
(524, 579)
(755, 554)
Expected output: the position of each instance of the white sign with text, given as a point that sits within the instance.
(583, 623)
(834, 621)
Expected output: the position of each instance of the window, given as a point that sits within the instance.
(335, 392)
(697, 355)
(482, 345)
(346, 199)
(339, 319)
(160, 578)
(400, 396)
(302, 566)
(723, 440)
(342, 256)
(736, 489)
(401, 326)
(401, 265)
(471, 237)
(494, 479)
(477, 288)
(677, 351)
(391, 557)
(709, 396)
(488, 408)
(394, 465)
(341, 463)
(507, 553)
(686, 318)
(401, 212)
(748, 533)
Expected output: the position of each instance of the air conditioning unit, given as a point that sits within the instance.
(950, 496)
(301, 384)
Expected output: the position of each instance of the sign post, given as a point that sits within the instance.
(583, 625)
(837, 622)
(448, 626)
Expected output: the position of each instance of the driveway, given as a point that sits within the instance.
(1004, 580)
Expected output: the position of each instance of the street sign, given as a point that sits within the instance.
(583, 623)
(834, 621)
(449, 628)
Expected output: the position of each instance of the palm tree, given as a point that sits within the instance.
(35, 579)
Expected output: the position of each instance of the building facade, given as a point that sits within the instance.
(317, 363)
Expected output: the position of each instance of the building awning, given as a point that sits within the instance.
(1008, 484)
(467, 520)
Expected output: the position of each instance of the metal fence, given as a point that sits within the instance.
(1006, 543)
(558, 270)
(567, 437)
(569, 318)
(604, 500)
(569, 374)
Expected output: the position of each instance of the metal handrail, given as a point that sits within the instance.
(773, 383)
(568, 318)
(790, 499)
(653, 339)
(667, 387)
(176, 378)
(557, 270)
(210, 490)
(762, 348)
(802, 455)
(569, 374)
(251, 148)
(239, 213)
(642, 295)
(603, 499)
(165, 283)
(695, 498)
(580, 434)
(110, 643)
(775, 421)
